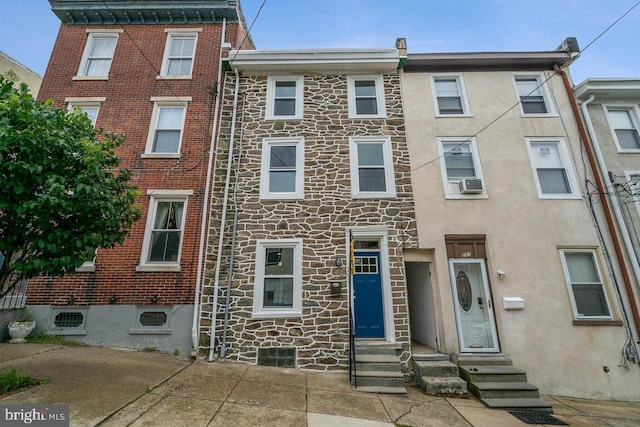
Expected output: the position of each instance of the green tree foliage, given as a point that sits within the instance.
(62, 194)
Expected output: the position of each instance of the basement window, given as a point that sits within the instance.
(152, 321)
(65, 321)
(282, 357)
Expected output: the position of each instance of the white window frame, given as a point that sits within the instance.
(158, 104)
(462, 92)
(88, 266)
(634, 114)
(85, 103)
(156, 196)
(451, 186)
(387, 152)
(380, 98)
(261, 312)
(542, 85)
(595, 258)
(92, 35)
(271, 93)
(567, 165)
(171, 35)
(267, 143)
(630, 175)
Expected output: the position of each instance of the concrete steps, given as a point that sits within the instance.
(438, 376)
(498, 384)
(378, 370)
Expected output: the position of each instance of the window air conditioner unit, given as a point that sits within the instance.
(471, 186)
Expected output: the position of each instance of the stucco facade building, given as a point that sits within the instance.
(514, 252)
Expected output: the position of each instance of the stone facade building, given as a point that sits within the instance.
(312, 154)
(149, 70)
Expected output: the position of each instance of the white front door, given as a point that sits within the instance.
(473, 306)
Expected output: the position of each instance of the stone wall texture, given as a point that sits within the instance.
(321, 335)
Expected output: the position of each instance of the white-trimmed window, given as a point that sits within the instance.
(449, 95)
(278, 279)
(162, 244)
(98, 54)
(586, 287)
(90, 265)
(624, 126)
(167, 123)
(533, 95)
(552, 170)
(179, 53)
(284, 97)
(282, 175)
(90, 106)
(460, 162)
(372, 173)
(633, 186)
(366, 97)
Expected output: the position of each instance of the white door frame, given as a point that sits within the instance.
(489, 304)
(381, 234)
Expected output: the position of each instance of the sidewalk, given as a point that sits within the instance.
(109, 387)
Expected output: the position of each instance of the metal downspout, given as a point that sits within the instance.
(216, 280)
(223, 346)
(616, 208)
(605, 207)
(197, 303)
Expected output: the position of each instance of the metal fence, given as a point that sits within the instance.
(17, 298)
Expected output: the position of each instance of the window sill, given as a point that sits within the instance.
(283, 118)
(367, 117)
(466, 196)
(158, 268)
(374, 196)
(559, 197)
(90, 78)
(86, 269)
(277, 315)
(282, 196)
(439, 116)
(160, 155)
(189, 77)
(525, 115)
(597, 322)
(150, 331)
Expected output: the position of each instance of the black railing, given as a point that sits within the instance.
(352, 349)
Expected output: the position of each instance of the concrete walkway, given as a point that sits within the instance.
(110, 387)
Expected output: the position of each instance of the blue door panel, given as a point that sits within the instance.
(367, 286)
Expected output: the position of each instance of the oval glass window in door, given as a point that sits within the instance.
(463, 287)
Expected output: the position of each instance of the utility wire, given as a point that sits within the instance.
(535, 89)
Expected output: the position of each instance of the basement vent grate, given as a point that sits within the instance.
(68, 320)
(536, 417)
(153, 318)
(277, 356)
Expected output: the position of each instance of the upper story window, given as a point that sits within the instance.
(461, 169)
(284, 97)
(623, 123)
(162, 244)
(449, 94)
(282, 174)
(90, 106)
(552, 169)
(532, 91)
(179, 53)
(372, 173)
(98, 54)
(366, 97)
(278, 279)
(588, 296)
(167, 123)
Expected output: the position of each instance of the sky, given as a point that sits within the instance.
(28, 28)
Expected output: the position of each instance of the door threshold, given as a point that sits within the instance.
(376, 342)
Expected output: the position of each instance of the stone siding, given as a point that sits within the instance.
(321, 335)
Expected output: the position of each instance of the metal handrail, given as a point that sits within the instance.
(353, 376)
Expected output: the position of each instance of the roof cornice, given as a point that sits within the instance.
(608, 89)
(486, 61)
(123, 12)
(324, 61)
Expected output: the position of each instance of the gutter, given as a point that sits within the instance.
(197, 304)
(605, 206)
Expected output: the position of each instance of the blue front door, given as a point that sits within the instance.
(367, 288)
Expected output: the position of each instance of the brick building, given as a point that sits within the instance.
(149, 70)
